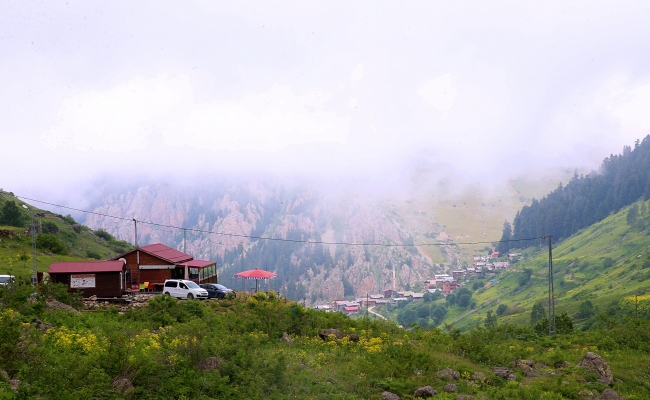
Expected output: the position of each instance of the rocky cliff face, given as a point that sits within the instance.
(227, 223)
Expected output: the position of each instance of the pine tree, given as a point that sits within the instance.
(504, 244)
(538, 313)
(10, 215)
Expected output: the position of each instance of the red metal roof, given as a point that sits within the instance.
(197, 263)
(86, 266)
(352, 308)
(166, 253)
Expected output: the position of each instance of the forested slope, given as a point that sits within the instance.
(621, 180)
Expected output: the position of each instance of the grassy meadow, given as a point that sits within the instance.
(234, 349)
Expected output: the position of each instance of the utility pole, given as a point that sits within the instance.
(136, 232)
(184, 230)
(34, 262)
(551, 298)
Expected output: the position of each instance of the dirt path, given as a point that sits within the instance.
(374, 313)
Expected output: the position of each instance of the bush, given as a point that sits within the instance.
(93, 254)
(48, 241)
(50, 227)
(523, 279)
(68, 219)
(104, 235)
(501, 309)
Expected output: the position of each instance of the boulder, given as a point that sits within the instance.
(325, 334)
(527, 367)
(425, 392)
(592, 362)
(209, 364)
(563, 364)
(57, 305)
(14, 383)
(4, 375)
(504, 373)
(286, 338)
(389, 396)
(450, 388)
(610, 394)
(448, 374)
(478, 376)
(44, 326)
(122, 385)
(353, 337)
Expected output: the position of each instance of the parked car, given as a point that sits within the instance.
(182, 289)
(6, 279)
(216, 290)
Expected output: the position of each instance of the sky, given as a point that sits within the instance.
(121, 91)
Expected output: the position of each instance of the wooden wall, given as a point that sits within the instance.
(107, 284)
(146, 275)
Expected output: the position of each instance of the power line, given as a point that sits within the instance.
(276, 239)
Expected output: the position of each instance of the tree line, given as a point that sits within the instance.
(620, 181)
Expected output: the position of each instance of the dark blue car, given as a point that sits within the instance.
(217, 291)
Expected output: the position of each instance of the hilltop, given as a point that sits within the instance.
(60, 238)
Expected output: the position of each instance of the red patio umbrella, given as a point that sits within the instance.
(256, 274)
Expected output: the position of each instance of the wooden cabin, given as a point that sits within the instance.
(148, 267)
(93, 278)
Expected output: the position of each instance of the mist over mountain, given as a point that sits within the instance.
(224, 221)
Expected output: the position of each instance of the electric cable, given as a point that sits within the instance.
(448, 243)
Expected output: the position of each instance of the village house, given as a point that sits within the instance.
(449, 286)
(148, 267)
(501, 264)
(457, 274)
(388, 293)
(417, 297)
(351, 309)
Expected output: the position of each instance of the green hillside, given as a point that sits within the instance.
(601, 269)
(60, 238)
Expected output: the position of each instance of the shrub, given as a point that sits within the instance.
(50, 227)
(104, 235)
(608, 262)
(68, 219)
(48, 241)
(586, 309)
(538, 313)
(501, 309)
(10, 215)
(93, 254)
(523, 279)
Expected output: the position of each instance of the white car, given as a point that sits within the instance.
(6, 279)
(182, 289)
